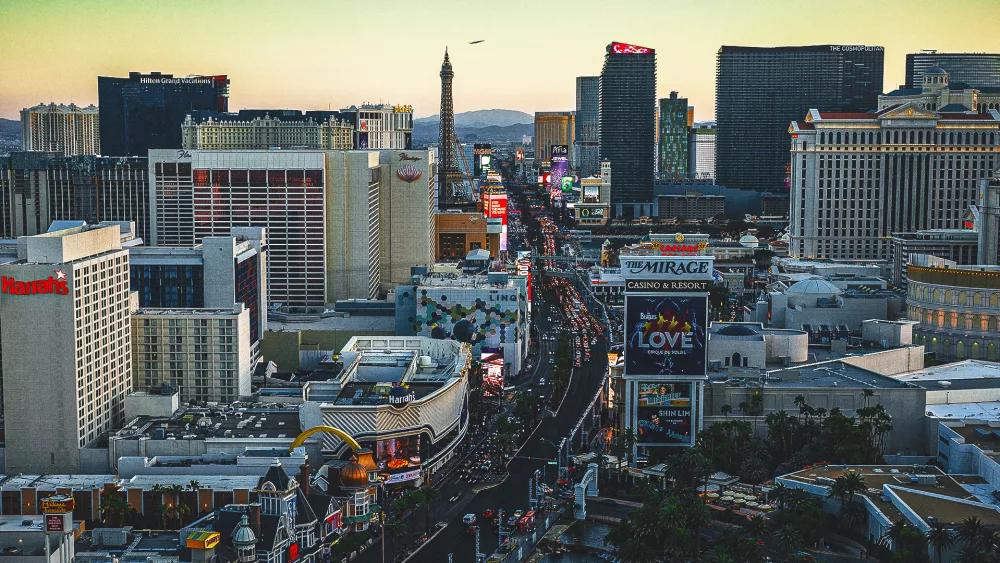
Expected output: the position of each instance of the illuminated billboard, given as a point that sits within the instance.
(398, 454)
(492, 366)
(482, 155)
(665, 335)
(559, 167)
(628, 49)
(496, 208)
(664, 414)
(591, 193)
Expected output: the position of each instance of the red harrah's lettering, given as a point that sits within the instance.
(11, 286)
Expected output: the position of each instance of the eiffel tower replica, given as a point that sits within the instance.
(454, 190)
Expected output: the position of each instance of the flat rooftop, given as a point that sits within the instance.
(51, 482)
(952, 488)
(967, 374)
(831, 374)
(220, 422)
(963, 411)
(214, 482)
(354, 323)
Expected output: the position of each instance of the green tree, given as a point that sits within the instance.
(789, 537)
(940, 539)
(726, 410)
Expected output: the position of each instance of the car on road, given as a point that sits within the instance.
(518, 514)
(552, 361)
(541, 381)
(485, 466)
(489, 513)
(469, 519)
(804, 556)
(472, 530)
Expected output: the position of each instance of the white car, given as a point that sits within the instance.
(469, 519)
(541, 381)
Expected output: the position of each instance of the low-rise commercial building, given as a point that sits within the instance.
(458, 233)
(957, 245)
(406, 398)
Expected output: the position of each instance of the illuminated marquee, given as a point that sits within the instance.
(57, 285)
(627, 49)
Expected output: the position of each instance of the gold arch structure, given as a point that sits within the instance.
(355, 446)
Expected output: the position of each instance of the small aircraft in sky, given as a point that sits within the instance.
(476, 41)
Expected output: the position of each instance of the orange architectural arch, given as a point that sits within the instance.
(355, 446)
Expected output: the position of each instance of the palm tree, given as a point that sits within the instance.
(939, 537)
(789, 537)
(182, 510)
(778, 494)
(757, 527)
(970, 531)
(430, 496)
(726, 410)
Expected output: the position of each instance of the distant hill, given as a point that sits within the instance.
(10, 135)
(483, 118)
(427, 133)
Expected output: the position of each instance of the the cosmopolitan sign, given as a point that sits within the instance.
(667, 267)
(53, 284)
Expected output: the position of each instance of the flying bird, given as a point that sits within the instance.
(476, 41)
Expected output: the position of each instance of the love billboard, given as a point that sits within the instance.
(665, 335)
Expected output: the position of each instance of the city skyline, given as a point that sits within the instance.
(56, 49)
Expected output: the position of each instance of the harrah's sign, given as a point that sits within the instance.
(668, 267)
(12, 286)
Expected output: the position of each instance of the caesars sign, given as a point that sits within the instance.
(663, 414)
(665, 335)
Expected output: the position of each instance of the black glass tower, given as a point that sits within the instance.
(145, 111)
(627, 103)
(979, 70)
(588, 114)
(759, 91)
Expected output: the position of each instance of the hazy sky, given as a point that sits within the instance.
(315, 54)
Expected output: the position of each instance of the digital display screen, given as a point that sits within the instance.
(663, 413)
(398, 454)
(665, 335)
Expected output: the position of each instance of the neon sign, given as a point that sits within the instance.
(57, 284)
(627, 49)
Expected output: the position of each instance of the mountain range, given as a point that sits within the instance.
(483, 118)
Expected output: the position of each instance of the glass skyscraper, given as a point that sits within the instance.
(673, 128)
(979, 70)
(627, 101)
(587, 146)
(761, 90)
(145, 111)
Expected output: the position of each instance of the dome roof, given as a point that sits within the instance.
(737, 330)
(748, 238)
(243, 535)
(366, 459)
(814, 287)
(935, 70)
(354, 475)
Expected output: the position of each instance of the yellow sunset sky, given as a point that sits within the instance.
(315, 54)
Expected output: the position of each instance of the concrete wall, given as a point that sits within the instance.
(890, 362)
(283, 347)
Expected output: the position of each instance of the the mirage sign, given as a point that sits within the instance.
(665, 335)
(667, 267)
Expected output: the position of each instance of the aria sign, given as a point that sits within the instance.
(57, 284)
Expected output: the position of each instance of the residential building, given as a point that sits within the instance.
(691, 205)
(752, 150)
(937, 91)
(958, 309)
(353, 253)
(71, 130)
(857, 178)
(554, 128)
(65, 311)
(381, 126)
(202, 353)
(199, 194)
(219, 273)
(673, 137)
(988, 227)
(266, 129)
(587, 150)
(37, 188)
(145, 111)
(980, 70)
(628, 99)
(956, 245)
(701, 151)
(407, 209)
